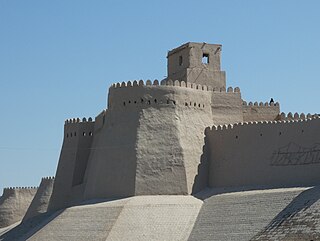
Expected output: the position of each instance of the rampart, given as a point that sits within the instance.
(163, 127)
(260, 111)
(226, 106)
(40, 202)
(265, 154)
(14, 203)
(129, 149)
(75, 151)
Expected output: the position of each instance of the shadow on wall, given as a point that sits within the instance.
(201, 179)
(27, 229)
(293, 216)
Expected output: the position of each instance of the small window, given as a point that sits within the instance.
(205, 58)
(180, 60)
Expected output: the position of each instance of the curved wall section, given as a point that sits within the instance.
(143, 147)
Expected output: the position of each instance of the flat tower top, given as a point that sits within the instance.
(193, 44)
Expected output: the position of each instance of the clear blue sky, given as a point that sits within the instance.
(58, 58)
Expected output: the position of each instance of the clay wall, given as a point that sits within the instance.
(139, 149)
(265, 154)
(14, 203)
(76, 147)
(40, 202)
(226, 106)
(260, 111)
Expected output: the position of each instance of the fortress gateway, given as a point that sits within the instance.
(185, 158)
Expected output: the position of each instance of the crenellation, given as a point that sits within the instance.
(77, 120)
(170, 82)
(19, 188)
(245, 123)
(48, 178)
(148, 82)
(156, 82)
(296, 116)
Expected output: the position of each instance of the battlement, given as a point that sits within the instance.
(78, 120)
(8, 191)
(48, 178)
(307, 118)
(76, 126)
(260, 111)
(170, 82)
(19, 188)
(260, 104)
(295, 116)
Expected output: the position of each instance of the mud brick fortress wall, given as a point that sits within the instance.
(151, 138)
(176, 136)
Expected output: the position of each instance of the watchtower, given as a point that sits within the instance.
(197, 63)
